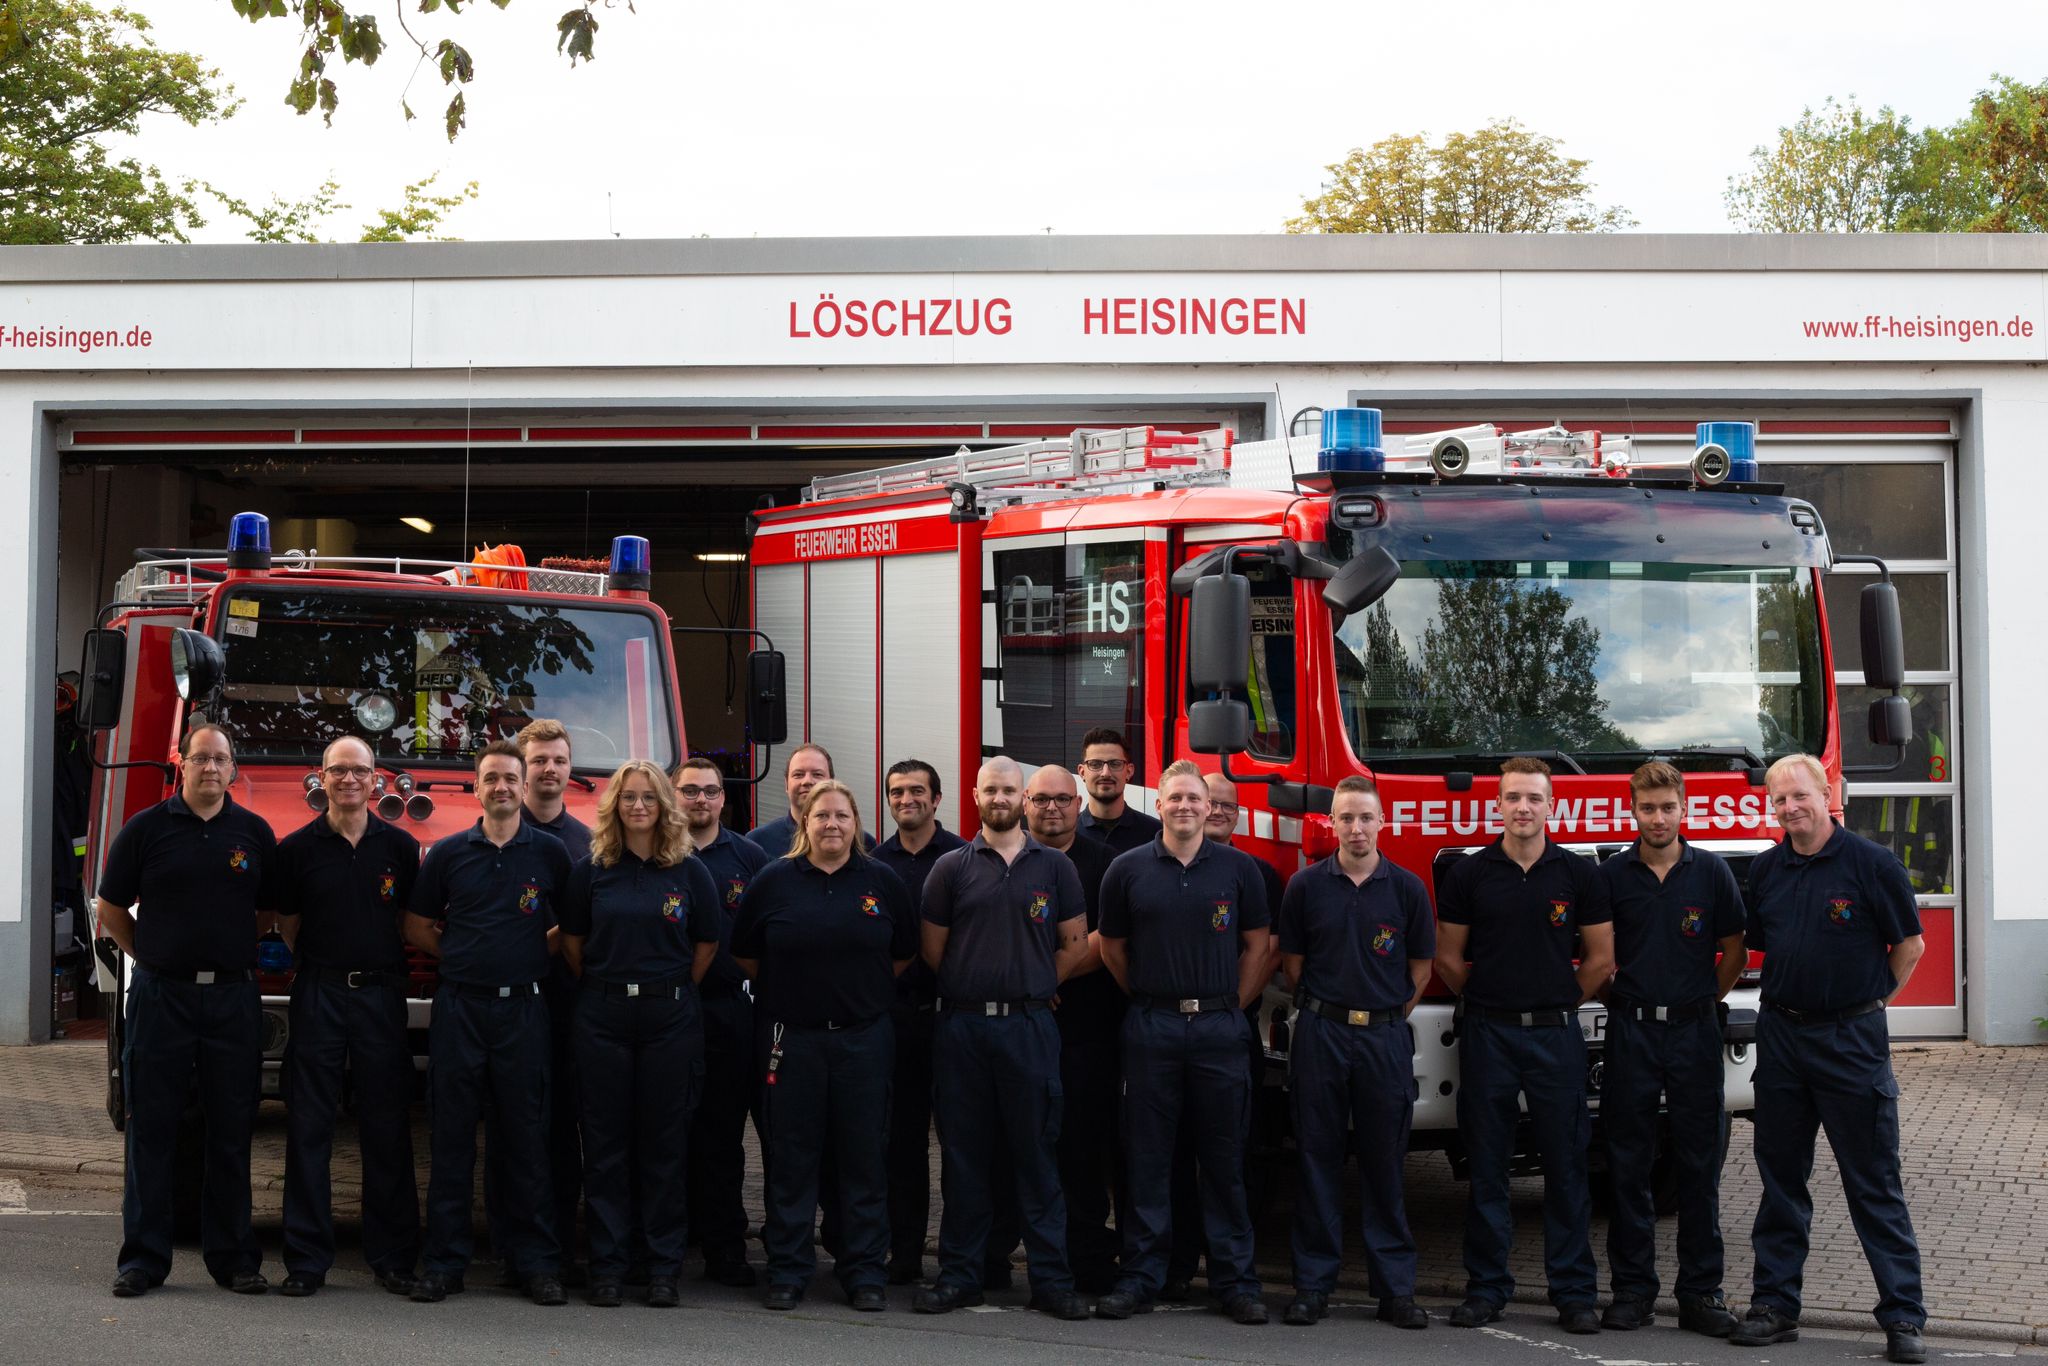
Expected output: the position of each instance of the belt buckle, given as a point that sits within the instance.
(354, 980)
(505, 993)
(1358, 1017)
(632, 988)
(1528, 1019)
(1662, 1013)
(992, 1008)
(203, 979)
(1190, 1005)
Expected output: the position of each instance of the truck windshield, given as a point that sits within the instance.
(1604, 662)
(426, 678)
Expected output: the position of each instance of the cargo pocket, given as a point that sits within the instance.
(1885, 1119)
(1055, 1110)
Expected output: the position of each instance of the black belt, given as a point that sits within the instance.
(997, 1009)
(1696, 1010)
(1188, 1005)
(356, 980)
(1814, 1017)
(722, 992)
(493, 993)
(1346, 1015)
(205, 977)
(673, 987)
(833, 1026)
(1527, 1019)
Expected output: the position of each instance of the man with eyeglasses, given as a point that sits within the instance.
(195, 863)
(717, 1154)
(913, 790)
(342, 882)
(1106, 769)
(1090, 1016)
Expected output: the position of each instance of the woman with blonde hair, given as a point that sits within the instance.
(639, 928)
(823, 933)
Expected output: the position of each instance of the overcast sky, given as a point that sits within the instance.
(1112, 116)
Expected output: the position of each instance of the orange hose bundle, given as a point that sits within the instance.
(497, 578)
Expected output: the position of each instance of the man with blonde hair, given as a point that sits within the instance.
(1834, 914)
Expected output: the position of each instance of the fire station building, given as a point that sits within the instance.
(420, 400)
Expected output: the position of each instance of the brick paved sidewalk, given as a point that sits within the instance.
(1976, 1138)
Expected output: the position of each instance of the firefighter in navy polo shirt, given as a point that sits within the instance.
(1184, 930)
(807, 766)
(824, 932)
(732, 1075)
(1518, 910)
(195, 864)
(1675, 909)
(639, 929)
(1005, 923)
(912, 787)
(544, 746)
(1357, 942)
(341, 884)
(1834, 915)
(483, 905)
(1106, 770)
(1090, 1016)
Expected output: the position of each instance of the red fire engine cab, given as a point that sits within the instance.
(1416, 615)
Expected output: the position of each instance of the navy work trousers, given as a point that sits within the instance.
(340, 1031)
(1187, 1071)
(184, 1036)
(564, 1136)
(717, 1159)
(639, 1070)
(1836, 1077)
(998, 1090)
(829, 1090)
(1497, 1063)
(1090, 1160)
(1679, 1061)
(1353, 1089)
(490, 1054)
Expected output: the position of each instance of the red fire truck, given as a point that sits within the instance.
(426, 660)
(1416, 615)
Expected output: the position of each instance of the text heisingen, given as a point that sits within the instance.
(879, 539)
(1584, 815)
(80, 339)
(1194, 317)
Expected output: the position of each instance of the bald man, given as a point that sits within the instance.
(1004, 923)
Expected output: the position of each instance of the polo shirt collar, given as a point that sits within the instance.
(177, 806)
(980, 841)
(523, 836)
(1096, 822)
(1837, 841)
(1380, 873)
(327, 830)
(1634, 852)
(895, 841)
(1159, 849)
(1498, 850)
(853, 861)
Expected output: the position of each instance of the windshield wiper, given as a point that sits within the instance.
(1556, 756)
(1749, 757)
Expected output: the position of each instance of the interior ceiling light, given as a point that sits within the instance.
(720, 556)
(419, 524)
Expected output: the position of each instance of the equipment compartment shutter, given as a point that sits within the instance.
(779, 611)
(921, 674)
(842, 683)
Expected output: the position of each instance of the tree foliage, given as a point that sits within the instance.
(348, 30)
(417, 218)
(1838, 169)
(71, 77)
(1502, 178)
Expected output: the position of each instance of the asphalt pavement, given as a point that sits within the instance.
(54, 1305)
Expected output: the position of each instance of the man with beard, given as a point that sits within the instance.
(1106, 769)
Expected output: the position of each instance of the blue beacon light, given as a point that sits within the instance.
(632, 564)
(1736, 438)
(1351, 441)
(249, 541)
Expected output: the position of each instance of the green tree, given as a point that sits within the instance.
(347, 30)
(1835, 169)
(420, 213)
(1502, 178)
(1996, 161)
(71, 77)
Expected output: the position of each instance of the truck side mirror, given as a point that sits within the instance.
(1891, 722)
(1219, 633)
(1884, 638)
(1363, 581)
(1221, 725)
(767, 704)
(99, 679)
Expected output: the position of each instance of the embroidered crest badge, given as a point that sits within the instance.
(238, 860)
(734, 890)
(1041, 907)
(672, 908)
(1220, 918)
(1689, 922)
(870, 905)
(387, 887)
(529, 898)
(1383, 940)
(1560, 912)
(1842, 911)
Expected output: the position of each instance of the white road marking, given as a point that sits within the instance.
(14, 1200)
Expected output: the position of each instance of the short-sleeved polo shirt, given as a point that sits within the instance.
(640, 922)
(496, 904)
(1827, 921)
(1524, 925)
(1002, 919)
(573, 833)
(827, 943)
(917, 985)
(1357, 939)
(1667, 934)
(350, 899)
(1183, 922)
(199, 884)
(1091, 1005)
(1131, 830)
(732, 860)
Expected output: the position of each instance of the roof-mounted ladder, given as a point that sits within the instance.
(1089, 461)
